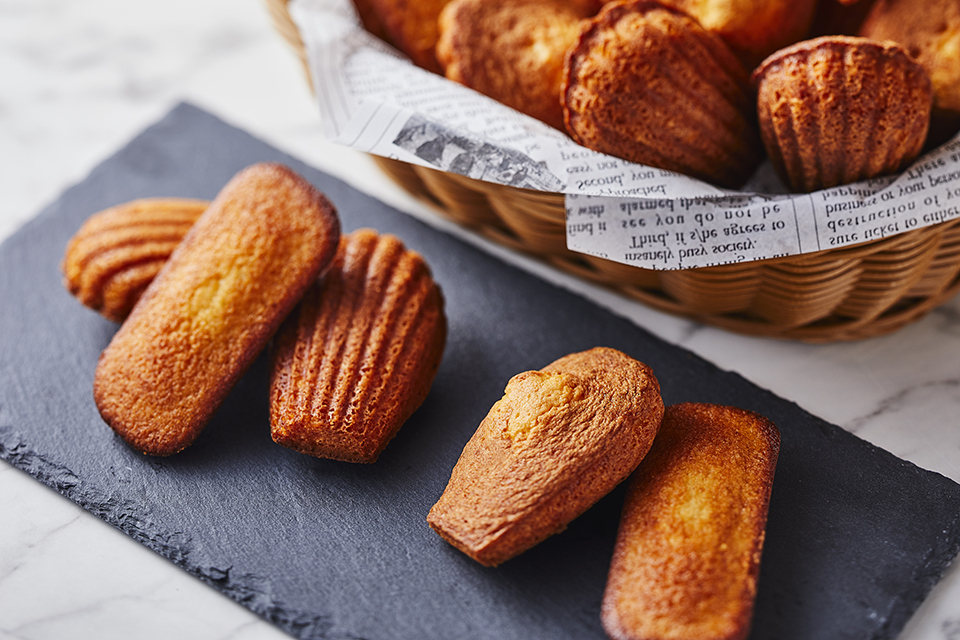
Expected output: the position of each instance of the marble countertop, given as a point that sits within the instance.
(81, 78)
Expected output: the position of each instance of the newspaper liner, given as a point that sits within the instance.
(374, 100)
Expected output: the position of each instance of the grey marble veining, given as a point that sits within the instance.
(78, 79)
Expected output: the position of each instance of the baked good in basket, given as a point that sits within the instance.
(930, 31)
(687, 554)
(510, 50)
(212, 308)
(864, 297)
(753, 28)
(648, 84)
(556, 442)
(358, 355)
(410, 25)
(838, 109)
(117, 252)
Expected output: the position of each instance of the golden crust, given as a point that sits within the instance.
(753, 28)
(838, 109)
(555, 443)
(411, 25)
(688, 550)
(930, 31)
(225, 289)
(510, 50)
(116, 253)
(369, 18)
(360, 352)
(648, 84)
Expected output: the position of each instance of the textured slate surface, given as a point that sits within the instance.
(856, 537)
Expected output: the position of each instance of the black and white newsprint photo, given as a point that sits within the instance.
(456, 152)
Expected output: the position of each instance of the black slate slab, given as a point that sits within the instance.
(322, 549)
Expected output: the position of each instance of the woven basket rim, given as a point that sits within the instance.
(847, 293)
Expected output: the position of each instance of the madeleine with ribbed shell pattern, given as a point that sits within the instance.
(115, 255)
(360, 353)
(648, 84)
(838, 109)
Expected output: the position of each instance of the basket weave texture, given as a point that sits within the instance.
(843, 294)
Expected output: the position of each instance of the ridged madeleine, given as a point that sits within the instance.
(648, 84)
(838, 109)
(117, 252)
(359, 354)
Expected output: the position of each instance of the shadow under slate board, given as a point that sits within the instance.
(856, 537)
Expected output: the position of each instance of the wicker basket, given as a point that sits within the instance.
(842, 294)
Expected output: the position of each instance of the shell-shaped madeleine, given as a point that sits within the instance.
(359, 354)
(116, 253)
(838, 109)
(648, 84)
(557, 441)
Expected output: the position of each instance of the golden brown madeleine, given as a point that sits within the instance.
(202, 321)
(753, 28)
(358, 355)
(838, 109)
(648, 84)
(557, 441)
(510, 50)
(687, 555)
(117, 252)
(930, 31)
(411, 25)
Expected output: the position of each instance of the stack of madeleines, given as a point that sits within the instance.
(840, 90)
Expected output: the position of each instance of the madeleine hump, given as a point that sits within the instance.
(557, 441)
(222, 294)
(116, 253)
(360, 352)
(687, 554)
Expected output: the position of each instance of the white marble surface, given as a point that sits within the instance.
(79, 78)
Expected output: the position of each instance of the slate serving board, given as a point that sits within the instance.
(856, 537)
